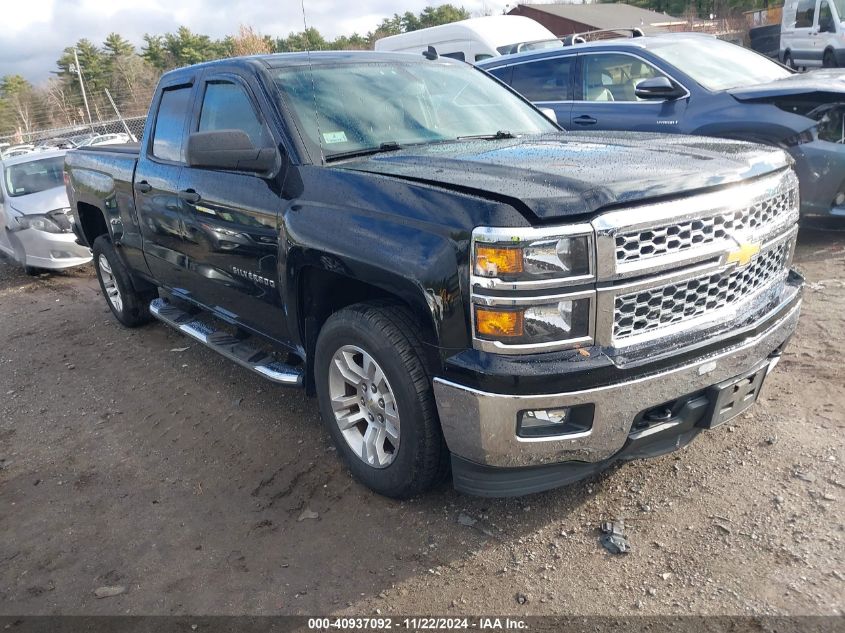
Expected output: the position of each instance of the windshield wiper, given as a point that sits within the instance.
(501, 134)
(388, 146)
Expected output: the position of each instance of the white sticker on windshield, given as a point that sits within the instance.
(334, 137)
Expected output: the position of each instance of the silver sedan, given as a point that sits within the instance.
(35, 224)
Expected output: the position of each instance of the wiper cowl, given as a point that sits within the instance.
(501, 134)
(388, 146)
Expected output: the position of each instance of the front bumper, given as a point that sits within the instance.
(52, 250)
(480, 428)
(820, 166)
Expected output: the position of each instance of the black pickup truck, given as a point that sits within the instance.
(462, 284)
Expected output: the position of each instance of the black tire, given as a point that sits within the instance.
(388, 333)
(134, 305)
(829, 60)
(787, 60)
(20, 255)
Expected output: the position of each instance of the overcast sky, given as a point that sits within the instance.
(34, 32)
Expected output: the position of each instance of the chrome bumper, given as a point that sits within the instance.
(481, 427)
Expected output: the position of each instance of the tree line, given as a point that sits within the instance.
(130, 74)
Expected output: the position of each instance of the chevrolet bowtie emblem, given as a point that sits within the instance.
(743, 255)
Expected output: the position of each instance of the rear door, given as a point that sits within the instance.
(231, 217)
(548, 82)
(156, 184)
(606, 100)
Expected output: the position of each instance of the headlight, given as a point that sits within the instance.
(533, 324)
(40, 222)
(532, 257)
(807, 136)
(55, 221)
(522, 280)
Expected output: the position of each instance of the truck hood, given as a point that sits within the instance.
(561, 175)
(829, 83)
(41, 202)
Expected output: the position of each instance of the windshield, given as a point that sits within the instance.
(24, 179)
(352, 107)
(840, 9)
(718, 65)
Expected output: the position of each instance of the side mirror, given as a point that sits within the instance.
(549, 114)
(229, 149)
(658, 88)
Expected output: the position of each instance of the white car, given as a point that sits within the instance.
(16, 150)
(475, 39)
(106, 139)
(813, 33)
(35, 223)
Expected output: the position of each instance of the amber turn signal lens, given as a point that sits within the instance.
(491, 261)
(499, 323)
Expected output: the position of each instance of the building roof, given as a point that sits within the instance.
(608, 16)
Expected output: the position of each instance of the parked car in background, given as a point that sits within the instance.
(813, 33)
(35, 225)
(54, 143)
(695, 84)
(16, 150)
(106, 139)
(475, 39)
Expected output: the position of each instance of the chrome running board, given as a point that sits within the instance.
(235, 349)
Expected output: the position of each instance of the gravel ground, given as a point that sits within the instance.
(138, 477)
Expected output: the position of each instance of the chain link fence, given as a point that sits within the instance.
(134, 126)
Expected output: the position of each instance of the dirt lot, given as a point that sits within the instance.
(125, 462)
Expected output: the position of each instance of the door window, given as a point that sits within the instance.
(545, 79)
(226, 106)
(614, 77)
(826, 18)
(170, 124)
(806, 14)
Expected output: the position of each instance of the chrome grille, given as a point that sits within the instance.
(661, 306)
(679, 236)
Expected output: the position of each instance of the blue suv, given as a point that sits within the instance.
(694, 84)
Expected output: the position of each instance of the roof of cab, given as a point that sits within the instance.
(313, 58)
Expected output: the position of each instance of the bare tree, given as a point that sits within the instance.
(248, 41)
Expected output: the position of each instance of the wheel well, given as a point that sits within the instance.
(93, 222)
(322, 293)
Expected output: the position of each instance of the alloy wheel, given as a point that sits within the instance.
(364, 406)
(110, 283)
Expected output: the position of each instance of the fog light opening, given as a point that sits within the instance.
(554, 422)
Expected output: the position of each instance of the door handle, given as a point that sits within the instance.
(584, 120)
(189, 195)
(143, 187)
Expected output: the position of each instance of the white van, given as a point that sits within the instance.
(475, 39)
(813, 33)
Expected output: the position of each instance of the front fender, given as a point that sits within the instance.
(418, 267)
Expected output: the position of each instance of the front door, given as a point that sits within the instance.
(606, 97)
(803, 41)
(231, 218)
